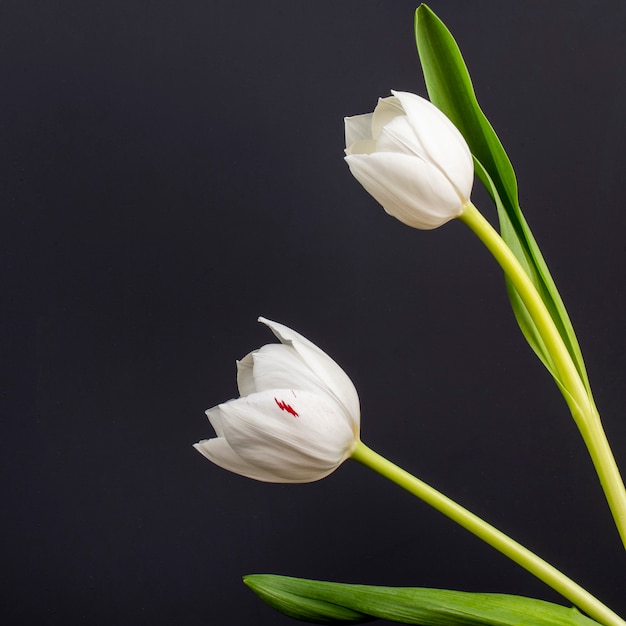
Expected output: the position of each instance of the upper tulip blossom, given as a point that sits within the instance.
(297, 418)
(412, 159)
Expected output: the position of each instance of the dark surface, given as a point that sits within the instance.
(170, 171)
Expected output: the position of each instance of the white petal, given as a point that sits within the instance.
(295, 435)
(367, 146)
(386, 110)
(219, 452)
(245, 378)
(358, 128)
(336, 381)
(216, 418)
(440, 140)
(399, 136)
(410, 189)
(279, 366)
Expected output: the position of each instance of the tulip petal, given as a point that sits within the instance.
(218, 451)
(296, 436)
(332, 376)
(412, 190)
(216, 419)
(279, 366)
(441, 142)
(358, 128)
(398, 136)
(367, 146)
(245, 375)
(386, 110)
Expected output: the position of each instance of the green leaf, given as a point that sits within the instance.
(287, 596)
(338, 603)
(450, 89)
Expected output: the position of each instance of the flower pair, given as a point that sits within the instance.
(298, 415)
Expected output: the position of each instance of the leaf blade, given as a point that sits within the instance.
(450, 88)
(414, 605)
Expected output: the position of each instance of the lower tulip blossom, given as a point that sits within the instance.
(297, 418)
(411, 158)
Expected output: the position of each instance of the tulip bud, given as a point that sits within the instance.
(411, 158)
(297, 418)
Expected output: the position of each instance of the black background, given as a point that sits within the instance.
(170, 171)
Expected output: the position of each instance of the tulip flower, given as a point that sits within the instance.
(297, 418)
(411, 158)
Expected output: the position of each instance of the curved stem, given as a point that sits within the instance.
(579, 399)
(495, 538)
(569, 377)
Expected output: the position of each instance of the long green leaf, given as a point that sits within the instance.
(450, 89)
(338, 603)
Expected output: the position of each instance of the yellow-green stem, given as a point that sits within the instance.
(568, 374)
(495, 538)
(579, 399)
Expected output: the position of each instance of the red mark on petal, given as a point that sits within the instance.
(283, 406)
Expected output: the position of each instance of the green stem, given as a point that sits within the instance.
(607, 470)
(578, 398)
(495, 538)
(568, 374)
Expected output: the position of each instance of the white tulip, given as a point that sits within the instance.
(297, 418)
(411, 158)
